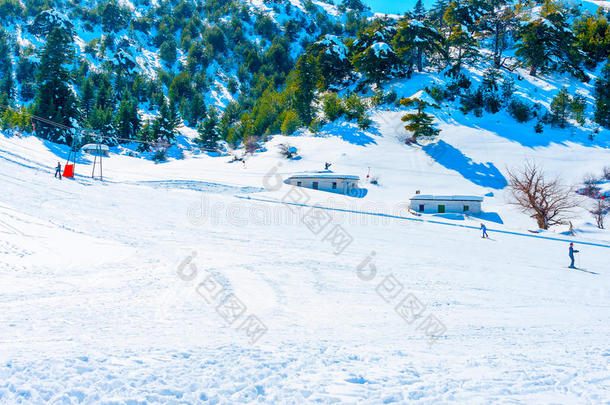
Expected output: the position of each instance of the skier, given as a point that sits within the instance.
(484, 229)
(58, 171)
(572, 251)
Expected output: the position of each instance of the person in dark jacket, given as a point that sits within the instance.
(58, 171)
(484, 229)
(572, 251)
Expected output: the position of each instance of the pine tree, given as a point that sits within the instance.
(498, 22)
(414, 41)
(462, 44)
(7, 85)
(164, 126)
(533, 47)
(101, 120)
(377, 62)
(208, 130)
(55, 99)
(419, 11)
(127, 121)
(577, 108)
(602, 97)
(419, 123)
(197, 108)
(87, 99)
(290, 123)
(331, 57)
(593, 37)
(302, 84)
(548, 44)
(560, 108)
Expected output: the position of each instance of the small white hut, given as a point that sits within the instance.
(325, 181)
(96, 149)
(438, 204)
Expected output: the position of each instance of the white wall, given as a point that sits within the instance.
(431, 206)
(344, 186)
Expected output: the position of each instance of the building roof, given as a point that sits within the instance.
(420, 197)
(323, 175)
(95, 147)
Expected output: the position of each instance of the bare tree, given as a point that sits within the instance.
(251, 144)
(606, 171)
(600, 210)
(591, 189)
(544, 199)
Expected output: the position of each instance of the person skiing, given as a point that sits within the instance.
(484, 229)
(572, 251)
(58, 171)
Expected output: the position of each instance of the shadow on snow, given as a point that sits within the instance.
(482, 174)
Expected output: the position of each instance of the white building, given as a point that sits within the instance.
(438, 204)
(325, 181)
(96, 149)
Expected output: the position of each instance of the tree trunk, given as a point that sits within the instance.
(420, 61)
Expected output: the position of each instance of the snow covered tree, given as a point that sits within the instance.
(415, 41)
(164, 126)
(332, 59)
(547, 44)
(377, 62)
(498, 22)
(602, 97)
(55, 99)
(127, 121)
(462, 44)
(208, 130)
(545, 200)
(113, 18)
(419, 123)
(419, 11)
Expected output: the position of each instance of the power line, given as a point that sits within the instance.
(65, 127)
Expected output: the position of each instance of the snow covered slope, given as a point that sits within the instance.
(97, 304)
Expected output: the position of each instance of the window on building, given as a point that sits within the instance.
(314, 185)
(441, 209)
(299, 183)
(334, 185)
(466, 208)
(421, 207)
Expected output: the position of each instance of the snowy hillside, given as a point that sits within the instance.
(193, 274)
(98, 307)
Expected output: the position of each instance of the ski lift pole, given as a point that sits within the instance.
(69, 170)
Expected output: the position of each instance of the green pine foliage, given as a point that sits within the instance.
(55, 98)
(419, 123)
(208, 130)
(602, 97)
(280, 75)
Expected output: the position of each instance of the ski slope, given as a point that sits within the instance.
(96, 305)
